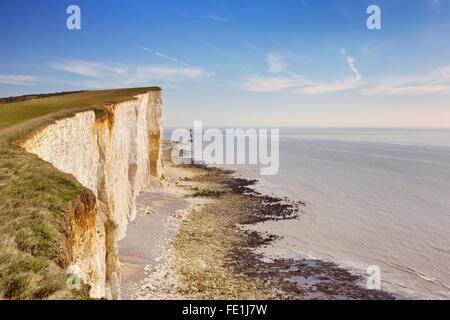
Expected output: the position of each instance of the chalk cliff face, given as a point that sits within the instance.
(115, 157)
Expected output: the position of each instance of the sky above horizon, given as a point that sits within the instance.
(241, 62)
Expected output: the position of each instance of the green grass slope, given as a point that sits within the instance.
(34, 197)
(15, 113)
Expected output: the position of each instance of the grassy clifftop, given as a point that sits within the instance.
(34, 196)
(33, 113)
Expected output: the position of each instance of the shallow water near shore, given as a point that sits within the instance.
(373, 197)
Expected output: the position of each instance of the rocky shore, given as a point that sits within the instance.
(213, 255)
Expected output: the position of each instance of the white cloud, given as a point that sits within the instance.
(337, 85)
(17, 79)
(144, 74)
(159, 54)
(299, 83)
(351, 63)
(275, 62)
(81, 67)
(114, 75)
(216, 18)
(436, 5)
(433, 82)
(272, 84)
(330, 87)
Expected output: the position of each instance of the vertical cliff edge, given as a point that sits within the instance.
(115, 157)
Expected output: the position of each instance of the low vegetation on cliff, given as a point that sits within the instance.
(34, 196)
(25, 116)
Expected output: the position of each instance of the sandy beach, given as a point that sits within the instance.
(204, 250)
(155, 224)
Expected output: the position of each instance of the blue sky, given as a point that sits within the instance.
(241, 62)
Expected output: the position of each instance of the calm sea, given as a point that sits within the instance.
(373, 197)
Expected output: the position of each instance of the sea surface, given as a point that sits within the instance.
(373, 197)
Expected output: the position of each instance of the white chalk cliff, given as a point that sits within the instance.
(116, 157)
